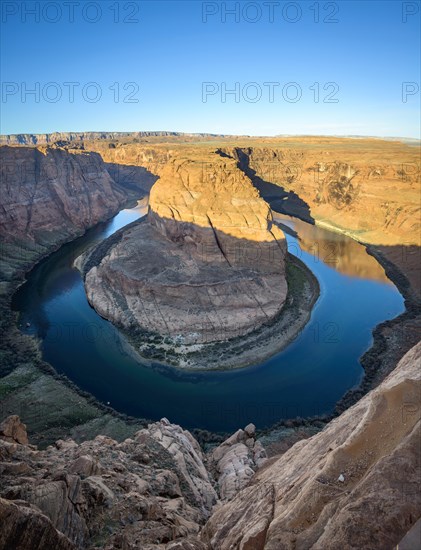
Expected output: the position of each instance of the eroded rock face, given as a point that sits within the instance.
(354, 485)
(236, 460)
(368, 188)
(189, 459)
(349, 186)
(24, 527)
(141, 493)
(50, 195)
(207, 265)
(48, 189)
(208, 201)
(153, 491)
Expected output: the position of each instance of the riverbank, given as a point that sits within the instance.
(51, 405)
(392, 339)
(235, 353)
(53, 421)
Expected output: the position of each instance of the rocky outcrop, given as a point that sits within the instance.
(141, 493)
(188, 456)
(367, 188)
(47, 190)
(48, 196)
(344, 184)
(236, 460)
(12, 430)
(24, 527)
(207, 265)
(354, 485)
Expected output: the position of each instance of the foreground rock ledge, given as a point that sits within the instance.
(142, 493)
(207, 265)
(354, 485)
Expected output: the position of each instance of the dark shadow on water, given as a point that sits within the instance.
(306, 379)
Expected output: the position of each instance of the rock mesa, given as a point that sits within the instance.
(207, 264)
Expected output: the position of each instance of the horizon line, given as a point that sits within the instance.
(211, 134)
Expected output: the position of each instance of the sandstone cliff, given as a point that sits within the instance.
(49, 189)
(207, 265)
(50, 195)
(354, 485)
(366, 187)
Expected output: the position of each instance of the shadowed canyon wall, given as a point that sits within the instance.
(371, 192)
(50, 195)
(367, 188)
(208, 256)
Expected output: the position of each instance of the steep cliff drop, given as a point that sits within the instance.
(50, 195)
(207, 265)
(353, 485)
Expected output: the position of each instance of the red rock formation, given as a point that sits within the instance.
(353, 485)
(207, 265)
(49, 191)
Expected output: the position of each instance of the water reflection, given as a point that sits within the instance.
(305, 379)
(345, 255)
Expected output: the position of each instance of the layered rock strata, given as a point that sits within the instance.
(354, 485)
(367, 188)
(346, 186)
(50, 195)
(49, 189)
(208, 264)
(78, 137)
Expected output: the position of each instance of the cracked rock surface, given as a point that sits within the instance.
(158, 491)
(208, 263)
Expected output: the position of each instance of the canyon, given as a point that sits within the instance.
(49, 196)
(207, 265)
(353, 485)
(101, 479)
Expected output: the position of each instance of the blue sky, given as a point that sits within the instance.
(335, 67)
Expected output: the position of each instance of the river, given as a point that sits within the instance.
(305, 379)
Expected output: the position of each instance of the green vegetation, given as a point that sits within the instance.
(303, 290)
(48, 403)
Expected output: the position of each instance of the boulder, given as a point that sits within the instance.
(236, 460)
(23, 527)
(13, 430)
